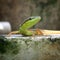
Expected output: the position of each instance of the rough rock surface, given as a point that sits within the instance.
(30, 48)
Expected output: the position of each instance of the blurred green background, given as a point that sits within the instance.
(16, 11)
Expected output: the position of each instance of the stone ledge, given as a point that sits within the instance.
(30, 48)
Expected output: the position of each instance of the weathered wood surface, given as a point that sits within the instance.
(17, 47)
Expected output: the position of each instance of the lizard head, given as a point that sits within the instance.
(31, 21)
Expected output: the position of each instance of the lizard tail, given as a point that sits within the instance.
(48, 32)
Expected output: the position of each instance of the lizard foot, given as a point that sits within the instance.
(39, 32)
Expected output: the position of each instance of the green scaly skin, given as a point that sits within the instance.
(30, 22)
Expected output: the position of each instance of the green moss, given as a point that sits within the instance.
(8, 46)
(27, 41)
(3, 44)
(37, 43)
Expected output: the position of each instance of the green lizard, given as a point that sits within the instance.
(24, 28)
(30, 22)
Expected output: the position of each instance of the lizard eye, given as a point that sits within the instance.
(30, 18)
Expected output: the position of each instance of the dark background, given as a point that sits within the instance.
(15, 11)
